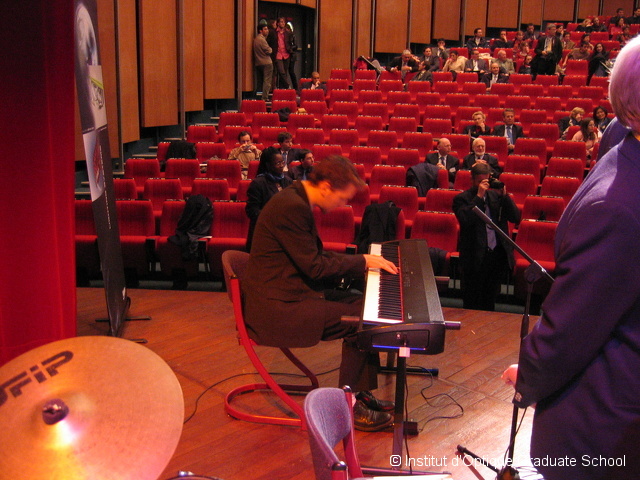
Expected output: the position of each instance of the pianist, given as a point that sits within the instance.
(290, 295)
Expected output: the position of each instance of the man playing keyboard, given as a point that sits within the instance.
(289, 292)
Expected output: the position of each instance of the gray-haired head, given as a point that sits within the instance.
(624, 85)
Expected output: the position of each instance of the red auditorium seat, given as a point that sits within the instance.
(137, 235)
(228, 232)
(212, 188)
(140, 169)
(336, 228)
(185, 169)
(201, 133)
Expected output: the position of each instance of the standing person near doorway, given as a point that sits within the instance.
(280, 41)
(264, 65)
(292, 61)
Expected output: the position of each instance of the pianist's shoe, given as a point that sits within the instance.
(374, 404)
(367, 420)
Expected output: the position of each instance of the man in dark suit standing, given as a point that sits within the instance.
(444, 160)
(485, 257)
(480, 156)
(290, 296)
(510, 130)
(548, 53)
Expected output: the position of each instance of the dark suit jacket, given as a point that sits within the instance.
(499, 131)
(482, 64)
(283, 293)
(556, 49)
(397, 62)
(451, 162)
(474, 132)
(292, 154)
(423, 176)
(579, 365)
(471, 43)
(322, 86)
(272, 40)
(486, 78)
(298, 172)
(473, 231)
(470, 159)
(433, 62)
(566, 122)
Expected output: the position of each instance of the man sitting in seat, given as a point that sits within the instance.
(444, 160)
(480, 156)
(290, 295)
(494, 76)
(509, 129)
(404, 64)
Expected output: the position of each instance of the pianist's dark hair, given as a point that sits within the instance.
(338, 171)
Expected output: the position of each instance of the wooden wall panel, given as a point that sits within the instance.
(421, 21)
(219, 49)
(158, 62)
(193, 56)
(363, 34)
(532, 11)
(588, 8)
(391, 26)
(610, 6)
(334, 40)
(248, 26)
(502, 14)
(107, 36)
(447, 19)
(562, 11)
(128, 71)
(308, 3)
(475, 17)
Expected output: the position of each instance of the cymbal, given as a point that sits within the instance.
(88, 408)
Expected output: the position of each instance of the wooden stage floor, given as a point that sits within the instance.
(194, 333)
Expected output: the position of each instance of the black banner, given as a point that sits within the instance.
(93, 117)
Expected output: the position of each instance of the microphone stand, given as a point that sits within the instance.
(532, 274)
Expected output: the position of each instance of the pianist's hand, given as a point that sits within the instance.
(377, 261)
(510, 375)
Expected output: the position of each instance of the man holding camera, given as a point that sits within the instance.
(484, 256)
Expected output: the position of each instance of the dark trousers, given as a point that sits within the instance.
(543, 66)
(282, 69)
(481, 284)
(358, 369)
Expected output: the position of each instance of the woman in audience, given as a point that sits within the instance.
(479, 126)
(517, 41)
(618, 28)
(455, 63)
(625, 36)
(597, 62)
(269, 180)
(588, 134)
(526, 65)
(601, 118)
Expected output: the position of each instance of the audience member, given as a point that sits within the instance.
(597, 26)
(518, 41)
(616, 18)
(585, 26)
(548, 53)
(290, 299)
(635, 19)
(598, 62)
(495, 75)
(479, 126)
(476, 64)
(578, 367)
(315, 83)
(501, 41)
(444, 160)
(441, 50)
(573, 119)
(601, 119)
(485, 257)
(423, 75)
(432, 62)
(245, 152)
(581, 53)
(588, 134)
(455, 63)
(262, 58)
(509, 129)
(404, 64)
(285, 141)
(506, 64)
(530, 34)
(625, 37)
(269, 180)
(525, 68)
(477, 41)
(480, 156)
(567, 43)
(616, 30)
(302, 171)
